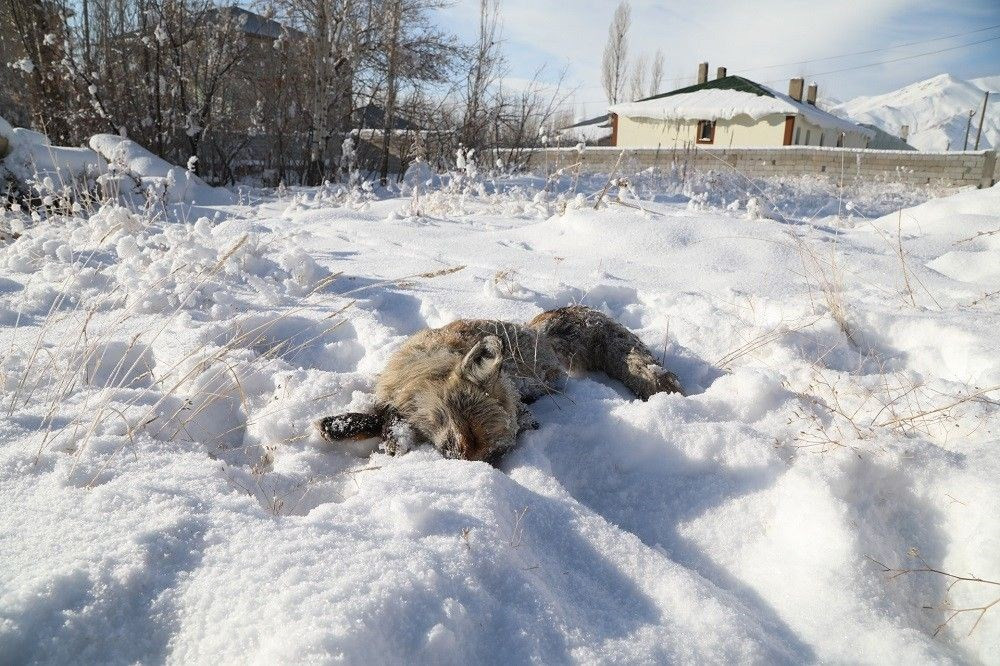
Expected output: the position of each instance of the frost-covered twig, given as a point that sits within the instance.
(611, 178)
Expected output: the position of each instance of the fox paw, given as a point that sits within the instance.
(526, 420)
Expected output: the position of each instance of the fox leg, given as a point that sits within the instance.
(525, 419)
(352, 425)
(397, 436)
(587, 340)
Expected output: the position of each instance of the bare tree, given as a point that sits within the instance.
(523, 115)
(411, 53)
(251, 94)
(40, 25)
(656, 74)
(329, 22)
(614, 64)
(637, 82)
(483, 74)
(15, 106)
(203, 50)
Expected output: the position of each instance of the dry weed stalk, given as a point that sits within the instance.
(505, 281)
(611, 178)
(909, 276)
(761, 341)
(978, 235)
(987, 296)
(516, 536)
(84, 349)
(829, 279)
(896, 405)
(954, 579)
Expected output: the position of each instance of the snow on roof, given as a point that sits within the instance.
(373, 116)
(590, 129)
(885, 141)
(252, 23)
(599, 121)
(729, 97)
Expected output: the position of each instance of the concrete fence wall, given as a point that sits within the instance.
(978, 168)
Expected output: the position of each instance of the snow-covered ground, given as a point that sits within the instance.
(936, 109)
(167, 499)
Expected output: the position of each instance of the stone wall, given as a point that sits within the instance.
(978, 168)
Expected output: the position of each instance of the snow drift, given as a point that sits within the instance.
(174, 184)
(38, 165)
(169, 501)
(119, 166)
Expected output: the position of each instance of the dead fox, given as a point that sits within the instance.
(463, 387)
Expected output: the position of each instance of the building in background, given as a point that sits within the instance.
(885, 141)
(732, 112)
(592, 131)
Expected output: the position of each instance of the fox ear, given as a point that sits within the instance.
(482, 364)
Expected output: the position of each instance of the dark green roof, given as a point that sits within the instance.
(597, 120)
(725, 83)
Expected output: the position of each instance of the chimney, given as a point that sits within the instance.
(795, 89)
(904, 132)
(703, 72)
(811, 94)
(720, 73)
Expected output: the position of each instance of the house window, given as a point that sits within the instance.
(798, 135)
(821, 138)
(706, 131)
(808, 132)
(840, 140)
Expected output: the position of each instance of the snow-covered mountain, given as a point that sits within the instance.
(991, 83)
(937, 111)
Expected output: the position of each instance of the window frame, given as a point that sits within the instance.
(711, 138)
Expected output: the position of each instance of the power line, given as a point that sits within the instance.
(884, 48)
(846, 55)
(886, 62)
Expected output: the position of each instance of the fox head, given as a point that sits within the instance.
(465, 408)
(473, 412)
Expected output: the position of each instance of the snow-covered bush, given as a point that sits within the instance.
(54, 174)
(160, 180)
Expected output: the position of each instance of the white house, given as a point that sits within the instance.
(732, 112)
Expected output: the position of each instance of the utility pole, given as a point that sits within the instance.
(968, 126)
(982, 117)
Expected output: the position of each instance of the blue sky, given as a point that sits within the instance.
(744, 34)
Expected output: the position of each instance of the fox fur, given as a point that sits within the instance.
(464, 387)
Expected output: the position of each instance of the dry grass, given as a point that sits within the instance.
(945, 606)
(763, 340)
(825, 276)
(909, 277)
(506, 282)
(68, 344)
(860, 412)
